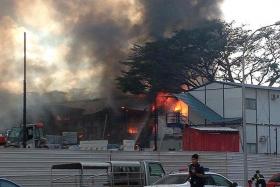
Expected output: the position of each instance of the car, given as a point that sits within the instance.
(3, 137)
(113, 147)
(7, 183)
(274, 181)
(181, 179)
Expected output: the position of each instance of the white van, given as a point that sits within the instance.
(111, 173)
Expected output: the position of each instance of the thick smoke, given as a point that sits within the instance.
(100, 33)
(103, 31)
(164, 16)
(88, 37)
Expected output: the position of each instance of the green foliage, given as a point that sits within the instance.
(188, 58)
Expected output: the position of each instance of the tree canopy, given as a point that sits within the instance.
(211, 51)
(186, 59)
(262, 55)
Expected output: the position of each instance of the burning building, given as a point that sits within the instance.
(165, 125)
(83, 51)
(93, 118)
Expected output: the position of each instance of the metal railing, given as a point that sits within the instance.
(176, 119)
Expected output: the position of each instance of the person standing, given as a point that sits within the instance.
(259, 179)
(196, 172)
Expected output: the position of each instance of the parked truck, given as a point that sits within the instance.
(34, 136)
(110, 173)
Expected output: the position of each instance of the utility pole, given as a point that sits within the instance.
(276, 139)
(245, 163)
(155, 125)
(24, 96)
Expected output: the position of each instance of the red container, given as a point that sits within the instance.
(210, 139)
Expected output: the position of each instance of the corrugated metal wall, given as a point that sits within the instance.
(32, 167)
(194, 139)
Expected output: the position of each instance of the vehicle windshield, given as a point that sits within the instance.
(2, 133)
(14, 132)
(275, 178)
(173, 179)
(39, 133)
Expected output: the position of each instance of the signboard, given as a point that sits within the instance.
(100, 145)
(128, 145)
(69, 138)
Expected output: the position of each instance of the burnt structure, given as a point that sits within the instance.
(93, 119)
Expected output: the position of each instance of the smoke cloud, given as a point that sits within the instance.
(78, 44)
(164, 16)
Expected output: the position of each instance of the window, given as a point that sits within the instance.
(155, 172)
(15, 132)
(251, 104)
(221, 181)
(155, 169)
(209, 180)
(275, 178)
(173, 179)
(5, 183)
(127, 175)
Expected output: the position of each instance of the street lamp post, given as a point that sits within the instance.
(155, 126)
(245, 164)
(24, 97)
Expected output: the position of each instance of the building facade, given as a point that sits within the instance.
(220, 104)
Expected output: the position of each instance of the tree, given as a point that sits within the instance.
(189, 58)
(261, 59)
(212, 51)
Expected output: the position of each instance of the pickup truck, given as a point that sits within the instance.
(110, 173)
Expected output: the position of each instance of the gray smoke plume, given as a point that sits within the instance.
(165, 16)
(105, 31)
(99, 34)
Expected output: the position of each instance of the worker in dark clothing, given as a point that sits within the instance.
(196, 172)
(259, 179)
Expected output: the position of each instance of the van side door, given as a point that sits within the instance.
(153, 172)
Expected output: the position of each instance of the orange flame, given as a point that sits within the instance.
(168, 103)
(181, 107)
(132, 130)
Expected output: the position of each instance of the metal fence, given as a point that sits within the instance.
(32, 167)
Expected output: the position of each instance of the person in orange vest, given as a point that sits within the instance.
(259, 179)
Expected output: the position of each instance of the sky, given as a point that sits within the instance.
(254, 13)
(76, 44)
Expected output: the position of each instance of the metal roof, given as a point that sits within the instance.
(125, 163)
(199, 107)
(95, 165)
(248, 85)
(84, 165)
(236, 120)
(216, 129)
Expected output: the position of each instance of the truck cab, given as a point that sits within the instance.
(111, 173)
(34, 136)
